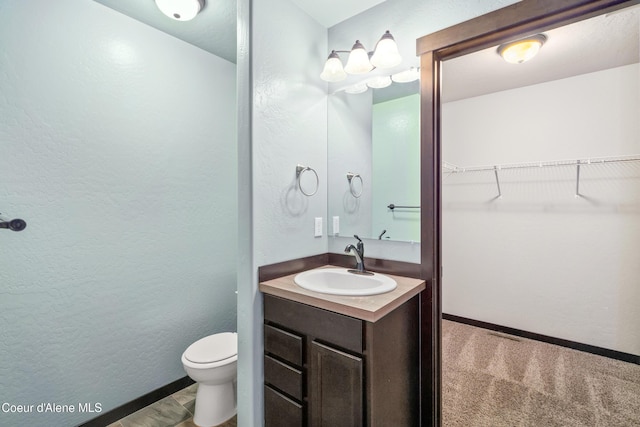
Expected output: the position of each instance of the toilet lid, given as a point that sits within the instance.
(213, 348)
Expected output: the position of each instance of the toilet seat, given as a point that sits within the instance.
(213, 348)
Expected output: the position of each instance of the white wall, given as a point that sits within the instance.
(118, 149)
(289, 127)
(540, 259)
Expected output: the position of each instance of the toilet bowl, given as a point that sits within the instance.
(212, 363)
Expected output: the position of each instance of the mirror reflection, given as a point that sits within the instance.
(374, 163)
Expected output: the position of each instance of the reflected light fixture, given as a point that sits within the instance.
(386, 55)
(379, 82)
(407, 76)
(180, 10)
(523, 50)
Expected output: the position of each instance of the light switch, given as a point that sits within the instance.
(336, 225)
(318, 228)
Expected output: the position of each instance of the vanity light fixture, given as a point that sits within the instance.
(360, 61)
(523, 50)
(180, 10)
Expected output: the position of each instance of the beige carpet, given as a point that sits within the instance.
(492, 379)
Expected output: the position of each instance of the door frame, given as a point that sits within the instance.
(510, 23)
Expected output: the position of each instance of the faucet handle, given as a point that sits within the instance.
(359, 239)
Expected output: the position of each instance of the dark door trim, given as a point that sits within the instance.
(509, 23)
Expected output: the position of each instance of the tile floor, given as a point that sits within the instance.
(172, 411)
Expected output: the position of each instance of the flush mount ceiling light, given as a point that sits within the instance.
(522, 50)
(385, 56)
(180, 10)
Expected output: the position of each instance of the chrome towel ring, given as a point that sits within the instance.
(351, 177)
(299, 171)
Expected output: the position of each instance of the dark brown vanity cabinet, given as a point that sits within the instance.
(324, 369)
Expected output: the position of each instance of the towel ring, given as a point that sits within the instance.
(302, 169)
(350, 177)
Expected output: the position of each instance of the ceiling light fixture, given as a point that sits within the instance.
(386, 55)
(522, 50)
(180, 10)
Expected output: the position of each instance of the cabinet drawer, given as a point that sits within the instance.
(283, 377)
(283, 344)
(342, 331)
(280, 411)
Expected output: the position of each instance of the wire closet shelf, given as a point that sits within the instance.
(450, 168)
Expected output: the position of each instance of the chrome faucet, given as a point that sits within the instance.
(358, 252)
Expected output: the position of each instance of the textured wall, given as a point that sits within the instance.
(118, 149)
(289, 128)
(540, 259)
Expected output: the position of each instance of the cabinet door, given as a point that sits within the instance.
(335, 387)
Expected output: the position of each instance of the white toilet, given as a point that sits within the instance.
(212, 363)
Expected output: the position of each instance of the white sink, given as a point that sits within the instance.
(339, 281)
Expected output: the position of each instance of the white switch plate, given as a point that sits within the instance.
(318, 229)
(336, 225)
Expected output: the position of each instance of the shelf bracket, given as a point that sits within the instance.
(578, 179)
(495, 171)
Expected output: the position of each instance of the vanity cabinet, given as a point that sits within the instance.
(325, 369)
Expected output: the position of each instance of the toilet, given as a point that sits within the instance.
(212, 363)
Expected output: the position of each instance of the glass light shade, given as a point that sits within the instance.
(410, 75)
(379, 82)
(522, 50)
(356, 88)
(386, 54)
(358, 62)
(333, 71)
(180, 10)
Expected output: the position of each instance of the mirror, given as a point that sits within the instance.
(374, 163)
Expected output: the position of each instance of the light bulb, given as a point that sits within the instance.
(333, 71)
(386, 54)
(358, 62)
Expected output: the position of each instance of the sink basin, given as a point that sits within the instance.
(339, 281)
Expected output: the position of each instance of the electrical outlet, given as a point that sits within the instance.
(318, 227)
(336, 225)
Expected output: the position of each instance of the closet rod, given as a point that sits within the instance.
(451, 168)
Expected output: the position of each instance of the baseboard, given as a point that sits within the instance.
(600, 351)
(135, 405)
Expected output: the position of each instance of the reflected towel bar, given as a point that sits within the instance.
(392, 207)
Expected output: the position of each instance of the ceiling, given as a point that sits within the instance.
(599, 43)
(603, 42)
(214, 29)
